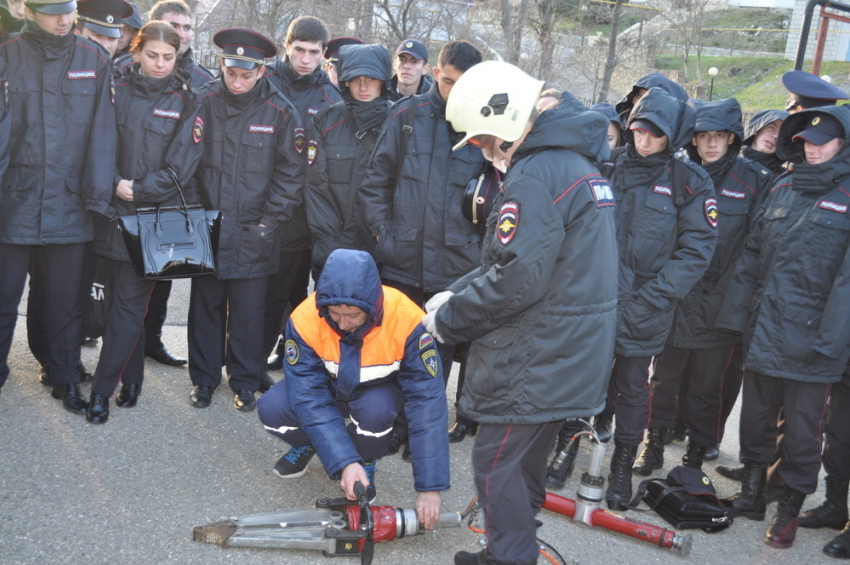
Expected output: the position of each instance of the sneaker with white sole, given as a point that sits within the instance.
(294, 464)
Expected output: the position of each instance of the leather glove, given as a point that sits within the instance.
(438, 300)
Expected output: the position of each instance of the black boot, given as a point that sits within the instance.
(751, 502)
(563, 463)
(652, 456)
(833, 512)
(733, 473)
(619, 492)
(840, 545)
(783, 528)
(98, 410)
(460, 430)
(695, 455)
(602, 425)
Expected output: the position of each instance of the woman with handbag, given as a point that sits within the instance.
(159, 141)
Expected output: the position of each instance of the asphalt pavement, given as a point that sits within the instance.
(131, 490)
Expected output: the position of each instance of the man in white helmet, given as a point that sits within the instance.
(541, 310)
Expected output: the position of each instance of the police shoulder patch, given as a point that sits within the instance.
(508, 222)
(312, 151)
(300, 140)
(711, 213)
(431, 362)
(602, 193)
(198, 130)
(291, 352)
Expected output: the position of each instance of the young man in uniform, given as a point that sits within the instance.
(102, 21)
(61, 161)
(541, 310)
(249, 172)
(357, 349)
(298, 76)
(411, 70)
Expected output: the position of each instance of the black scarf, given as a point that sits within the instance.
(718, 169)
(767, 160)
(633, 171)
(47, 44)
(366, 115)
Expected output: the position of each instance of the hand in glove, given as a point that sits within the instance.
(438, 300)
(430, 323)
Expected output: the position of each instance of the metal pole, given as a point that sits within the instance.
(711, 89)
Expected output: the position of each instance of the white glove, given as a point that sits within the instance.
(430, 323)
(438, 300)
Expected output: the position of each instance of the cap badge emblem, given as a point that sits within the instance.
(409, 44)
(240, 51)
(816, 120)
(109, 19)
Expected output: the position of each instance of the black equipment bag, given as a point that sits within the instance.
(686, 499)
(168, 243)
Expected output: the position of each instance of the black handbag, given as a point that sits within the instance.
(686, 499)
(178, 242)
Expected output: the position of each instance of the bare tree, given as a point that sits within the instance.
(687, 17)
(611, 61)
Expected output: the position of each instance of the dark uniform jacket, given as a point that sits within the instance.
(62, 138)
(424, 86)
(652, 80)
(738, 183)
(198, 74)
(425, 240)
(156, 119)
(309, 94)
(542, 308)
(324, 364)
(338, 155)
(250, 172)
(791, 287)
(664, 250)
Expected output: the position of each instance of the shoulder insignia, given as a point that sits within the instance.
(291, 351)
(111, 89)
(312, 151)
(198, 130)
(602, 193)
(312, 111)
(426, 340)
(431, 362)
(508, 221)
(711, 213)
(299, 140)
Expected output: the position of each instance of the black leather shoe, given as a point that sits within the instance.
(395, 443)
(128, 396)
(98, 410)
(85, 376)
(711, 454)
(734, 473)
(839, 547)
(244, 400)
(72, 398)
(459, 431)
(44, 376)
(274, 362)
(164, 356)
(405, 455)
(266, 382)
(201, 396)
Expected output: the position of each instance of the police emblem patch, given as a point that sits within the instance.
(240, 50)
(833, 206)
(425, 340)
(508, 221)
(711, 213)
(111, 90)
(198, 130)
(291, 352)
(662, 190)
(110, 19)
(602, 193)
(300, 141)
(312, 151)
(431, 362)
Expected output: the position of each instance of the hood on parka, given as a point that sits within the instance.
(671, 115)
(652, 80)
(793, 151)
(721, 115)
(351, 277)
(569, 125)
(761, 119)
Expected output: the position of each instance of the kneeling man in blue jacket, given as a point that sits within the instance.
(355, 349)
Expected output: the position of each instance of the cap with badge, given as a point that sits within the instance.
(810, 91)
(244, 48)
(104, 17)
(647, 126)
(334, 45)
(414, 48)
(53, 7)
(134, 21)
(820, 129)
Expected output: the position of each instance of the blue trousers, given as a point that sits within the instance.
(372, 413)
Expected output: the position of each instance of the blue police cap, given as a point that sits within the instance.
(244, 48)
(105, 17)
(807, 85)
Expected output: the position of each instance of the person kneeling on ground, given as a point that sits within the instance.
(356, 349)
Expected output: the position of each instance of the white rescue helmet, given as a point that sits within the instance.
(492, 98)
